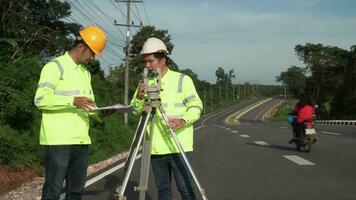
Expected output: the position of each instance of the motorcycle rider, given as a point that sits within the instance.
(303, 112)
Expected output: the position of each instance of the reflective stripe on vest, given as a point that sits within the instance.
(38, 99)
(67, 92)
(201, 110)
(179, 105)
(46, 84)
(191, 97)
(180, 83)
(60, 68)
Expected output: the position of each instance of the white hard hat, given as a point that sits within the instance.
(153, 45)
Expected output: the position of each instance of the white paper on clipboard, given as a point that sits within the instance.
(117, 107)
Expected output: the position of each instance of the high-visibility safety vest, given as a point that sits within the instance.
(180, 100)
(62, 123)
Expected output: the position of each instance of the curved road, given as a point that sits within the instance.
(253, 161)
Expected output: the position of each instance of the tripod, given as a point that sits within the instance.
(152, 104)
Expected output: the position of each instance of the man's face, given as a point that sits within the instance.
(152, 63)
(85, 54)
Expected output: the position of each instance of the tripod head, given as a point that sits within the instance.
(153, 98)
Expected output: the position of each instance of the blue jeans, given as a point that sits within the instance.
(68, 162)
(163, 166)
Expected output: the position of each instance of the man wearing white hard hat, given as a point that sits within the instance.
(183, 107)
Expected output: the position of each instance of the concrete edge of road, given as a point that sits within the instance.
(235, 116)
(336, 122)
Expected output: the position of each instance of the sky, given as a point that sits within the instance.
(256, 38)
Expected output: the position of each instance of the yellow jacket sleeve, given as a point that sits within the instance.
(137, 104)
(45, 98)
(192, 102)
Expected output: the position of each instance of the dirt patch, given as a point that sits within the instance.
(11, 179)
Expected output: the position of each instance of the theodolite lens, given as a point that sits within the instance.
(152, 74)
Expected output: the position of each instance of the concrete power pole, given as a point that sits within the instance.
(204, 108)
(227, 91)
(220, 91)
(211, 98)
(128, 25)
(233, 92)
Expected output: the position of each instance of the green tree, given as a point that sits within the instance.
(295, 80)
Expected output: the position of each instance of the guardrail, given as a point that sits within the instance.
(336, 122)
(271, 110)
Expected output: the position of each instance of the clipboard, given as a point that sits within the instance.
(117, 107)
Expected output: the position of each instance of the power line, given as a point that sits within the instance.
(108, 17)
(143, 3)
(138, 13)
(135, 15)
(86, 16)
(75, 17)
(118, 8)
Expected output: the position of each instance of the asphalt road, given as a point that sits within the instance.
(253, 161)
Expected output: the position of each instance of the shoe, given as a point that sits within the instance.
(292, 140)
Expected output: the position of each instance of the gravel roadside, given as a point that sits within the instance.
(32, 189)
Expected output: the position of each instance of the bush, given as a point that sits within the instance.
(18, 149)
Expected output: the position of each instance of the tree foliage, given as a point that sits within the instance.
(329, 76)
(294, 79)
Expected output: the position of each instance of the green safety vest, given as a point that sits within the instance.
(180, 100)
(62, 123)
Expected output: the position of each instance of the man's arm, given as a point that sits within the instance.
(191, 101)
(138, 99)
(47, 98)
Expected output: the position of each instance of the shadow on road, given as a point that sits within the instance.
(108, 190)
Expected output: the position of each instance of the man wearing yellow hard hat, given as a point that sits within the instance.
(64, 95)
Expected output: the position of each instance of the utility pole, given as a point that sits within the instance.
(233, 92)
(204, 108)
(227, 91)
(211, 98)
(244, 90)
(239, 91)
(128, 25)
(220, 92)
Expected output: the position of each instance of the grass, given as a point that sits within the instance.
(282, 112)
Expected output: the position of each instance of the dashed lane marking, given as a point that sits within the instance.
(262, 143)
(245, 136)
(298, 160)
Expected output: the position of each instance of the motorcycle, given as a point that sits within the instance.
(306, 137)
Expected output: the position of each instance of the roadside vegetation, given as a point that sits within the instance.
(282, 111)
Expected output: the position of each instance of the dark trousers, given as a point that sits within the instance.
(68, 162)
(163, 166)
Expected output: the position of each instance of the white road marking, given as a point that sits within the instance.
(102, 175)
(121, 165)
(331, 133)
(234, 131)
(283, 127)
(245, 136)
(251, 108)
(262, 143)
(298, 160)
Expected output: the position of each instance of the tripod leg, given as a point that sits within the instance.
(182, 153)
(130, 160)
(145, 162)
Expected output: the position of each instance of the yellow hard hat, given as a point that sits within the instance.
(95, 38)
